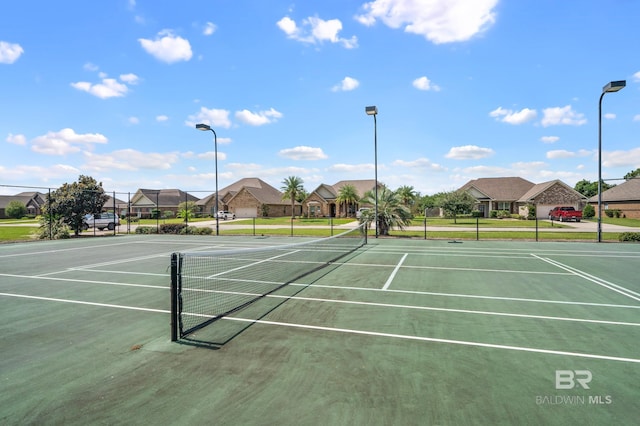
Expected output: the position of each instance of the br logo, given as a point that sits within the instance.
(566, 379)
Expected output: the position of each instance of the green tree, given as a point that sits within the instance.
(347, 195)
(408, 196)
(457, 202)
(632, 174)
(588, 212)
(15, 209)
(589, 189)
(391, 212)
(187, 210)
(71, 202)
(292, 187)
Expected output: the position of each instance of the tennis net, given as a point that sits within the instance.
(206, 286)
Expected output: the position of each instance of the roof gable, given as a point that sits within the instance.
(501, 188)
(629, 190)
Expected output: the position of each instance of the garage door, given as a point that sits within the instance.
(246, 212)
(542, 210)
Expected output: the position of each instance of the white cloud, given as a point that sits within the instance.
(315, 30)
(209, 28)
(469, 152)
(550, 139)
(610, 116)
(562, 116)
(347, 84)
(129, 159)
(167, 47)
(630, 158)
(16, 139)
(133, 120)
(129, 78)
(303, 153)
(636, 77)
(423, 83)
(211, 155)
(439, 21)
(513, 117)
(636, 117)
(10, 52)
(419, 163)
(561, 153)
(90, 67)
(212, 117)
(109, 87)
(353, 168)
(66, 141)
(161, 118)
(258, 118)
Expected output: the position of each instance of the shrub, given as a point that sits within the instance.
(59, 229)
(146, 230)
(531, 212)
(609, 213)
(476, 213)
(493, 214)
(194, 230)
(15, 210)
(172, 228)
(588, 212)
(630, 236)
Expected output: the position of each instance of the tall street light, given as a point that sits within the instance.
(612, 86)
(204, 128)
(373, 110)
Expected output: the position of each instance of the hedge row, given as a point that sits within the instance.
(174, 228)
(630, 236)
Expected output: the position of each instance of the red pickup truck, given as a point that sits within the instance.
(565, 214)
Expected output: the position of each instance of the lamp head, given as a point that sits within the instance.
(371, 110)
(203, 127)
(614, 86)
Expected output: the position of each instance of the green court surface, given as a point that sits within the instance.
(400, 332)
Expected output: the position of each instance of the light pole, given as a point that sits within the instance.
(612, 86)
(373, 110)
(204, 128)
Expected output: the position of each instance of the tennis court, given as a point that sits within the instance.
(399, 331)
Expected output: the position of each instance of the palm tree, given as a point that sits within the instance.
(391, 212)
(292, 187)
(347, 195)
(407, 195)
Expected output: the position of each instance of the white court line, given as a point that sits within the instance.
(437, 340)
(599, 281)
(395, 271)
(358, 332)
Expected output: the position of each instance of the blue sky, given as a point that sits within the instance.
(464, 89)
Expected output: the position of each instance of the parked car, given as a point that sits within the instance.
(101, 221)
(361, 210)
(565, 214)
(224, 215)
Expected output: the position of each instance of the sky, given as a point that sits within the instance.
(465, 89)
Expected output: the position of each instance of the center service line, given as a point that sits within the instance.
(395, 271)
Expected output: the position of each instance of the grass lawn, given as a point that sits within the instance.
(17, 233)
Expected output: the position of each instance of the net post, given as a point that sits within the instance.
(174, 297)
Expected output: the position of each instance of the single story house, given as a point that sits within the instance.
(624, 197)
(33, 201)
(249, 197)
(321, 202)
(513, 194)
(145, 201)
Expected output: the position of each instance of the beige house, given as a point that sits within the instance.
(624, 197)
(249, 197)
(145, 201)
(33, 201)
(321, 202)
(513, 194)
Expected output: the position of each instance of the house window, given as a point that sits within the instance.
(502, 205)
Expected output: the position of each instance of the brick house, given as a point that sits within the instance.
(321, 202)
(33, 201)
(513, 194)
(145, 201)
(624, 197)
(250, 197)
